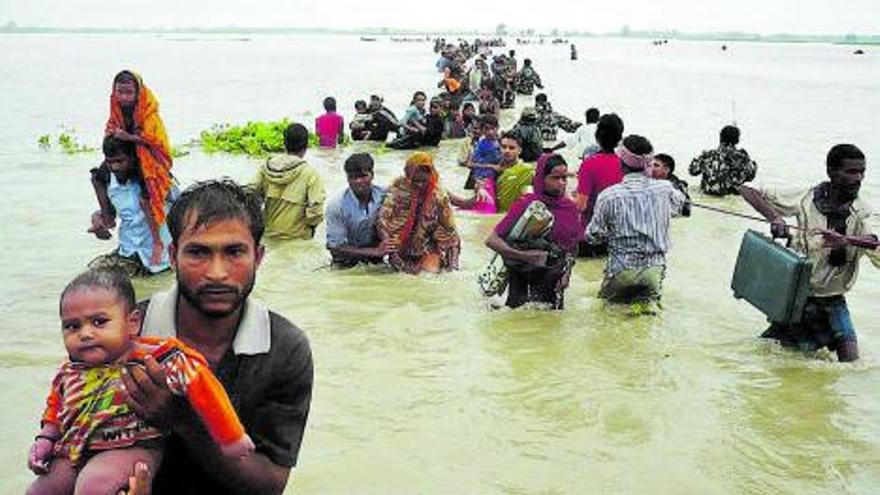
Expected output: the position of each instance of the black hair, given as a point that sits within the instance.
(488, 120)
(330, 104)
(666, 160)
(527, 61)
(540, 98)
(514, 136)
(554, 161)
(609, 131)
(112, 147)
(468, 105)
(126, 76)
(213, 200)
(416, 95)
(360, 104)
(112, 279)
(592, 115)
(358, 164)
(296, 138)
(840, 152)
(639, 145)
(730, 135)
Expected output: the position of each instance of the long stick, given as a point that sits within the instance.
(742, 215)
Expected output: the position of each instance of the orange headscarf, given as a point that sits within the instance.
(417, 160)
(155, 156)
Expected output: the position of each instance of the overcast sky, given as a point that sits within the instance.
(761, 16)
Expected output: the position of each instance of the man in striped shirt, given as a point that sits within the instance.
(634, 218)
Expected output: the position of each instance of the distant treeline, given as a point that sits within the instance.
(502, 30)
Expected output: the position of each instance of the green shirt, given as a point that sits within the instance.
(512, 183)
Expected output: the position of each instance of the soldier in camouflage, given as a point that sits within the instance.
(725, 168)
(549, 121)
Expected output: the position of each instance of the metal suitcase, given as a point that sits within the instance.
(772, 278)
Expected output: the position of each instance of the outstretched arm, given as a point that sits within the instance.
(762, 206)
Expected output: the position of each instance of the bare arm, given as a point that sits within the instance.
(493, 166)
(762, 206)
(754, 198)
(581, 201)
(103, 198)
(379, 251)
(500, 246)
(147, 393)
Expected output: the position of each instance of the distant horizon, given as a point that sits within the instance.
(11, 27)
(757, 17)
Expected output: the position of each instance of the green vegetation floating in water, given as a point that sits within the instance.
(253, 138)
(66, 141)
(177, 152)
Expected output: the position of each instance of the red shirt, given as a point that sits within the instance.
(328, 127)
(596, 174)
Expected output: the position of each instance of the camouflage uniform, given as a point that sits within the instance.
(527, 80)
(549, 122)
(724, 169)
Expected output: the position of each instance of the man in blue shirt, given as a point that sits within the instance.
(143, 248)
(351, 217)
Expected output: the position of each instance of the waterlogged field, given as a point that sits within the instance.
(420, 386)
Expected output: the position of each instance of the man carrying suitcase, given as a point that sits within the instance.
(835, 230)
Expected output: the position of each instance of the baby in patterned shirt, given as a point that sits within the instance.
(90, 438)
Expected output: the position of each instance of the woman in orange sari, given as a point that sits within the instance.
(416, 218)
(134, 117)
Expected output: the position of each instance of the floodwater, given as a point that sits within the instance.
(420, 387)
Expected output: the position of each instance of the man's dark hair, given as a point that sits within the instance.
(592, 115)
(730, 135)
(840, 152)
(666, 160)
(512, 135)
(527, 62)
(609, 131)
(330, 104)
(360, 104)
(488, 120)
(638, 144)
(112, 147)
(296, 138)
(467, 105)
(214, 200)
(540, 98)
(112, 279)
(358, 164)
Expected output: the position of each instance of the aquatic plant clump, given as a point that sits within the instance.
(67, 141)
(253, 138)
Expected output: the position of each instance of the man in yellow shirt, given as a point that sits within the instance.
(293, 191)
